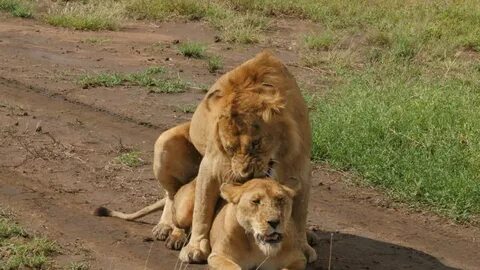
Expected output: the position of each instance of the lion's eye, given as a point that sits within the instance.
(255, 144)
(256, 201)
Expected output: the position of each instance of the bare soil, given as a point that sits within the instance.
(58, 144)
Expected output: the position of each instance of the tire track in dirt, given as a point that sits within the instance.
(55, 95)
(56, 196)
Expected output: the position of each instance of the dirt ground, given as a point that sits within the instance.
(58, 143)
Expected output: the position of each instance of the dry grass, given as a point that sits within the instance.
(94, 15)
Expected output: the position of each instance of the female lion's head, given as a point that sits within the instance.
(263, 209)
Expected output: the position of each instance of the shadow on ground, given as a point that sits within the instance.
(355, 252)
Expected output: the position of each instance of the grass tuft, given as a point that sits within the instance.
(215, 63)
(77, 266)
(130, 159)
(17, 8)
(324, 41)
(187, 108)
(104, 79)
(192, 49)
(242, 28)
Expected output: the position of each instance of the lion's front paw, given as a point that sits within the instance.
(162, 231)
(177, 239)
(310, 253)
(192, 253)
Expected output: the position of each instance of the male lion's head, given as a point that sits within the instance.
(250, 102)
(263, 208)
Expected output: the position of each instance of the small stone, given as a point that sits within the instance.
(38, 128)
(147, 239)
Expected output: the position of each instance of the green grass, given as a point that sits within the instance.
(17, 8)
(431, 25)
(77, 266)
(187, 108)
(215, 63)
(130, 159)
(20, 250)
(192, 49)
(417, 137)
(324, 41)
(155, 78)
(104, 79)
(235, 27)
(94, 15)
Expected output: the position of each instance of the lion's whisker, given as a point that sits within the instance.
(260, 265)
(148, 256)
(178, 258)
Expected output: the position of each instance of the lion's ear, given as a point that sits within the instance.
(211, 96)
(231, 192)
(292, 186)
(272, 103)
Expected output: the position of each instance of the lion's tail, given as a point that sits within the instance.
(105, 212)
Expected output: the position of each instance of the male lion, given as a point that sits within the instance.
(254, 230)
(253, 122)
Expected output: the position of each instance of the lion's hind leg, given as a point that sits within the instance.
(182, 214)
(175, 163)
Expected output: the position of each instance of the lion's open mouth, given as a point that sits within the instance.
(272, 238)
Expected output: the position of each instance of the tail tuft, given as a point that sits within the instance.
(102, 212)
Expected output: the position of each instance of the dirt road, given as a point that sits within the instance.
(58, 144)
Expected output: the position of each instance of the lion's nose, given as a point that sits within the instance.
(273, 223)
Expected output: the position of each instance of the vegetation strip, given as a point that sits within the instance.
(154, 77)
